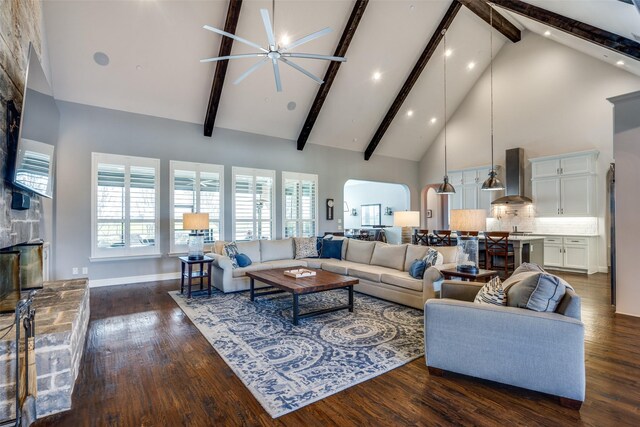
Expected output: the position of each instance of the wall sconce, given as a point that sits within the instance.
(388, 211)
(354, 212)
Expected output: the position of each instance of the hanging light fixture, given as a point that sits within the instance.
(445, 188)
(492, 183)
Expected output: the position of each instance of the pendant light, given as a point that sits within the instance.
(492, 183)
(445, 188)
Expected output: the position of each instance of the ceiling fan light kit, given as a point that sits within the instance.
(274, 53)
(492, 183)
(446, 187)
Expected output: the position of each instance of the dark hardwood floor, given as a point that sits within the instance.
(145, 364)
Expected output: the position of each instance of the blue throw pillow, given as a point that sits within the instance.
(331, 249)
(417, 269)
(243, 260)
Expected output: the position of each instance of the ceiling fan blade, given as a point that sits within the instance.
(251, 69)
(307, 39)
(233, 36)
(315, 56)
(302, 70)
(267, 27)
(238, 56)
(276, 73)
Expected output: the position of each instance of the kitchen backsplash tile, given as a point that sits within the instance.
(524, 222)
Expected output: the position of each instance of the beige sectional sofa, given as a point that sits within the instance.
(382, 268)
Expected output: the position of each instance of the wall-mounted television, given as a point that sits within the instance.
(31, 154)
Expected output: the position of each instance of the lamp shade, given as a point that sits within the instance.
(195, 221)
(468, 219)
(406, 219)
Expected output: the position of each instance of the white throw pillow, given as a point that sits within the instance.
(492, 293)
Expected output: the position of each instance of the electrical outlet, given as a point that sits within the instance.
(339, 227)
(74, 270)
(85, 270)
(339, 220)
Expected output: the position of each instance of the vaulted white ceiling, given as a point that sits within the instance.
(154, 48)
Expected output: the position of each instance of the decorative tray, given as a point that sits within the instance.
(299, 273)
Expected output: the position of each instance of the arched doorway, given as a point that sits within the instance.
(435, 209)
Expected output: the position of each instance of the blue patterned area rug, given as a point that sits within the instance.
(287, 367)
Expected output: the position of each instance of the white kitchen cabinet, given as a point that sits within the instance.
(553, 256)
(469, 193)
(571, 253)
(546, 196)
(564, 185)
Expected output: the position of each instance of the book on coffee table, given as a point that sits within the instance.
(299, 273)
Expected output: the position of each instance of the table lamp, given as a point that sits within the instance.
(465, 220)
(406, 220)
(196, 222)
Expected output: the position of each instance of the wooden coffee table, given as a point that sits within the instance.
(322, 281)
(480, 276)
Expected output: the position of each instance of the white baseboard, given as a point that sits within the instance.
(603, 269)
(627, 314)
(96, 283)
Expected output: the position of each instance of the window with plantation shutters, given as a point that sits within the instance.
(253, 204)
(125, 206)
(299, 204)
(196, 187)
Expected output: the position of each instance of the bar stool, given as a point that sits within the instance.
(421, 237)
(441, 238)
(497, 245)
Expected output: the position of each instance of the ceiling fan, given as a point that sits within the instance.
(274, 53)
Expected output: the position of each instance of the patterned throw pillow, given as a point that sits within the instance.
(492, 293)
(432, 258)
(306, 247)
(231, 249)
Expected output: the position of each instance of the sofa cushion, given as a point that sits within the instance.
(387, 255)
(313, 262)
(285, 263)
(372, 273)
(414, 252)
(240, 272)
(538, 292)
(306, 247)
(360, 251)
(243, 260)
(491, 293)
(218, 247)
(332, 249)
(339, 267)
(402, 280)
(417, 269)
(271, 250)
(448, 253)
(251, 249)
(231, 250)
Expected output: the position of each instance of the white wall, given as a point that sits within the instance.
(85, 129)
(548, 99)
(357, 193)
(627, 155)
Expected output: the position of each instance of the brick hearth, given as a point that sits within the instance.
(62, 316)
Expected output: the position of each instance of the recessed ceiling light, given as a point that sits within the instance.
(267, 99)
(620, 63)
(547, 33)
(291, 106)
(101, 58)
(433, 120)
(138, 67)
(355, 139)
(471, 65)
(377, 75)
(410, 113)
(412, 7)
(285, 40)
(448, 52)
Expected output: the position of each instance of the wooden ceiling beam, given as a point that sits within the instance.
(323, 91)
(576, 28)
(500, 23)
(233, 15)
(413, 77)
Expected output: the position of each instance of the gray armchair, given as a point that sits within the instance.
(537, 351)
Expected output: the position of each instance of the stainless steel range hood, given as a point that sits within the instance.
(514, 179)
